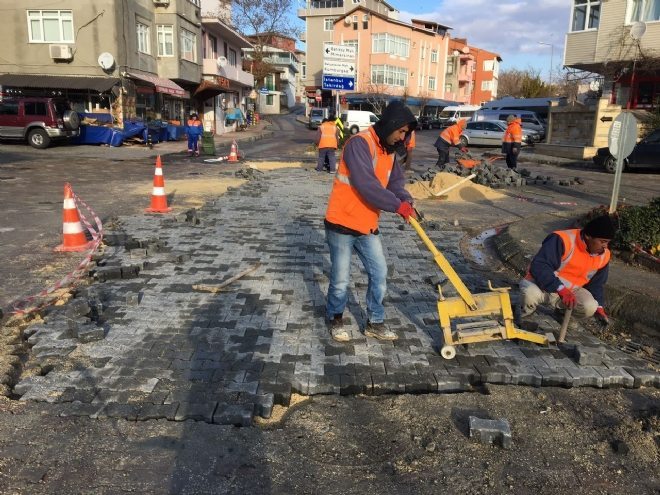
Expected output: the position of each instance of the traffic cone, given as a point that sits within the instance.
(73, 235)
(158, 198)
(233, 154)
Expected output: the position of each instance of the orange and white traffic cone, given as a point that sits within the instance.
(233, 154)
(73, 235)
(158, 198)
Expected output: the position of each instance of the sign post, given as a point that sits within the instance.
(621, 142)
(339, 70)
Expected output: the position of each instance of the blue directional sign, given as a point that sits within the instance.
(338, 82)
(264, 91)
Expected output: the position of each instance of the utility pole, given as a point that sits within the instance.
(552, 57)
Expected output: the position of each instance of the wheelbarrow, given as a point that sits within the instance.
(495, 304)
(466, 161)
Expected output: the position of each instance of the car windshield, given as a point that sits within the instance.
(445, 114)
(317, 113)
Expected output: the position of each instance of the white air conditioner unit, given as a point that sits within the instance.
(61, 52)
(347, 20)
(162, 3)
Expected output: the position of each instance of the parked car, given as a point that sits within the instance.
(529, 119)
(358, 120)
(491, 132)
(646, 154)
(316, 116)
(427, 122)
(39, 120)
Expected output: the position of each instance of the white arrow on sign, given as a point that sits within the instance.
(338, 68)
(343, 52)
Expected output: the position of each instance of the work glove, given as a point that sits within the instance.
(601, 316)
(406, 210)
(567, 297)
(464, 150)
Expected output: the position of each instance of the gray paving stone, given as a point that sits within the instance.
(617, 377)
(644, 377)
(196, 412)
(489, 431)
(234, 414)
(585, 376)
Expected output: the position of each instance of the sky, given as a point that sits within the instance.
(511, 28)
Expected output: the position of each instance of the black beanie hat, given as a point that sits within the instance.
(395, 116)
(601, 227)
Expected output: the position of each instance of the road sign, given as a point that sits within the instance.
(263, 91)
(338, 68)
(342, 52)
(338, 82)
(623, 135)
(621, 141)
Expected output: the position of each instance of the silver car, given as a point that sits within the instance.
(491, 132)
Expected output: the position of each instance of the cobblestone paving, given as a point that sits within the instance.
(141, 344)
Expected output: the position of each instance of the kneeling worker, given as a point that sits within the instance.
(451, 136)
(570, 271)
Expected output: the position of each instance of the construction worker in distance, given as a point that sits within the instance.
(340, 127)
(570, 271)
(512, 140)
(368, 180)
(327, 139)
(194, 128)
(410, 144)
(451, 136)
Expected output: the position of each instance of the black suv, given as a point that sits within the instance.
(39, 120)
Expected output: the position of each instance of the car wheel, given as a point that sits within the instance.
(610, 164)
(355, 129)
(38, 138)
(71, 120)
(464, 142)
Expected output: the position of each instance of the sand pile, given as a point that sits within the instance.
(466, 192)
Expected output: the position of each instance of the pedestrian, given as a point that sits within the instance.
(327, 139)
(512, 140)
(570, 271)
(194, 129)
(340, 126)
(451, 136)
(368, 180)
(410, 144)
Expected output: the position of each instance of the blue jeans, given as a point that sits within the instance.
(370, 251)
(329, 154)
(192, 143)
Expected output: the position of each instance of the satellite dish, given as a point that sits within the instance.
(637, 30)
(594, 85)
(347, 20)
(221, 61)
(106, 61)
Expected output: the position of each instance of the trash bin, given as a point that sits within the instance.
(208, 145)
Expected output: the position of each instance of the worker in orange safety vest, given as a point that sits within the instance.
(451, 136)
(570, 271)
(512, 140)
(194, 129)
(327, 139)
(410, 143)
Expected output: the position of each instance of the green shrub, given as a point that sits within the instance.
(638, 225)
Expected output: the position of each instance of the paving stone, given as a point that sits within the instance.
(114, 410)
(77, 408)
(554, 377)
(526, 376)
(90, 333)
(489, 431)
(585, 376)
(234, 414)
(590, 355)
(644, 377)
(617, 377)
(196, 412)
(158, 411)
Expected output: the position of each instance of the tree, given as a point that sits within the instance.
(525, 83)
(261, 20)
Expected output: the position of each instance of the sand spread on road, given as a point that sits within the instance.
(466, 192)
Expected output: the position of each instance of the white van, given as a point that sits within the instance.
(358, 120)
(452, 114)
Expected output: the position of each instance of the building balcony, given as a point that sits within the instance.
(234, 74)
(464, 77)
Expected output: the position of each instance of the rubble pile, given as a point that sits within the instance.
(249, 173)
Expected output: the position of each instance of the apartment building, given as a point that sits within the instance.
(225, 86)
(620, 41)
(487, 65)
(138, 59)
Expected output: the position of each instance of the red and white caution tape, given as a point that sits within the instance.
(20, 306)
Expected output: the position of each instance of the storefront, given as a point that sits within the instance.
(148, 97)
(211, 93)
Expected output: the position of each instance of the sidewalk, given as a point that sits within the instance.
(633, 294)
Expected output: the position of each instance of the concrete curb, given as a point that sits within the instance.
(558, 162)
(634, 307)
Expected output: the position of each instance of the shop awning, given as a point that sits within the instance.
(99, 84)
(161, 84)
(208, 88)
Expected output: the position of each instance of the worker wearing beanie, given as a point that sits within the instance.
(570, 271)
(368, 180)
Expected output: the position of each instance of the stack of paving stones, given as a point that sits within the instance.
(171, 352)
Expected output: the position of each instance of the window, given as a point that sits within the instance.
(188, 45)
(448, 88)
(303, 70)
(490, 126)
(486, 85)
(165, 41)
(389, 74)
(388, 43)
(50, 26)
(586, 14)
(356, 1)
(644, 10)
(328, 23)
(423, 52)
(231, 57)
(9, 108)
(35, 108)
(434, 56)
(269, 81)
(269, 99)
(143, 38)
(353, 43)
(450, 67)
(365, 21)
(432, 83)
(212, 47)
(327, 4)
(489, 65)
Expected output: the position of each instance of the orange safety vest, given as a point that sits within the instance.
(513, 133)
(452, 134)
(328, 135)
(410, 145)
(577, 265)
(346, 207)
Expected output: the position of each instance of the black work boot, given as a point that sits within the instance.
(379, 331)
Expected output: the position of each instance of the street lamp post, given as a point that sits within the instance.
(552, 56)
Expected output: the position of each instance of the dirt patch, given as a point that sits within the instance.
(275, 165)
(279, 412)
(466, 192)
(186, 193)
